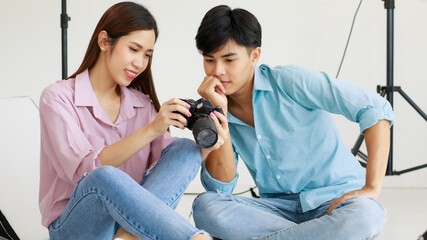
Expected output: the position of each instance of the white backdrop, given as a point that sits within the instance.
(312, 33)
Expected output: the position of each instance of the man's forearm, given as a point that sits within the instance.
(221, 164)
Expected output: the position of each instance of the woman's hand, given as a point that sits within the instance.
(170, 114)
(213, 90)
(222, 131)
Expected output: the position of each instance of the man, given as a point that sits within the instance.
(311, 186)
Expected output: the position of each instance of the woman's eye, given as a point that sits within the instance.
(133, 49)
(148, 55)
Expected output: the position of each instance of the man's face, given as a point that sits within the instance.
(232, 65)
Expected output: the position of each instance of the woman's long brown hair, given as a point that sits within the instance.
(120, 20)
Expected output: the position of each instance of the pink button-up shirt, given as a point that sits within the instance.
(75, 129)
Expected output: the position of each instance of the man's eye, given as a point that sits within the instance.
(208, 60)
(230, 60)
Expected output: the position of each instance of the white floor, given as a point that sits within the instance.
(406, 212)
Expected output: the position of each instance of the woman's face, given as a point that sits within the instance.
(130, 56)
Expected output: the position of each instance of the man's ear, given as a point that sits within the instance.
(255, 55)
(103, 40)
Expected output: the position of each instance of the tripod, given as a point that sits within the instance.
(388, 91)
(64, 26)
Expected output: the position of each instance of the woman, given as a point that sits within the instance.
(109, 167)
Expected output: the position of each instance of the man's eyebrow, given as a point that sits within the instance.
(223, 56)
(229, 54)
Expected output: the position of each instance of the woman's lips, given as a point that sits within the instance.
(130, 74)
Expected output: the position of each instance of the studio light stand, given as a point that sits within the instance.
(64, 26)
(388, 91)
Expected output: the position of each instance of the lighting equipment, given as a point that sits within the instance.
(388, 91)
(64, 25)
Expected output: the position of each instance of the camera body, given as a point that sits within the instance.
(200, 122)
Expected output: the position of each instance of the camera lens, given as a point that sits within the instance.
(204, 132)
(206, 138)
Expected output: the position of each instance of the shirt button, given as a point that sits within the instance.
(278, 176)
(114, 128)
(268, 156)
(259, 136)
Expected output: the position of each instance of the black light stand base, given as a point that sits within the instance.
(383, 90)
(423, 237)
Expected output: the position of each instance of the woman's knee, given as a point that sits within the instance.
(106, 175)
(184, 149)
(183, 146)
(184, 142)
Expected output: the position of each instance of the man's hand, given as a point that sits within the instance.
(212, 89)
(365, 191)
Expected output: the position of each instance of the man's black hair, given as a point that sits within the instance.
(221, 24)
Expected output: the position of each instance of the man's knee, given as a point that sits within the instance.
(203, 200)
(368, 216)
(205, 211)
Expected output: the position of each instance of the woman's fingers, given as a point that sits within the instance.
(222, 128)
(171, 113)
(223, 119)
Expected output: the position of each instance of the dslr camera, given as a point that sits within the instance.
(200, 122)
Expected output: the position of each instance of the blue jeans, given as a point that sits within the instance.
(234, 217)
(108, 198)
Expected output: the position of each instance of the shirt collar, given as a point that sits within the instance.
(234, 120)
(83, 93)
(85, 97)
(130, 101)
(261, 81)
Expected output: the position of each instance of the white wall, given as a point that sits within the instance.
(312, 33)
(19, 167)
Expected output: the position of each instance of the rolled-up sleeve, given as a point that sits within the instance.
(212, 184)
(63, 142)
(316, 90)
(370, 116)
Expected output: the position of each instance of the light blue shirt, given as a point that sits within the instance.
(295, 146)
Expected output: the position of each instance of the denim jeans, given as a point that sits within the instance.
(235, 217)
(108, 198)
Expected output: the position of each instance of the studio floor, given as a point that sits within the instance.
(406, 212)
